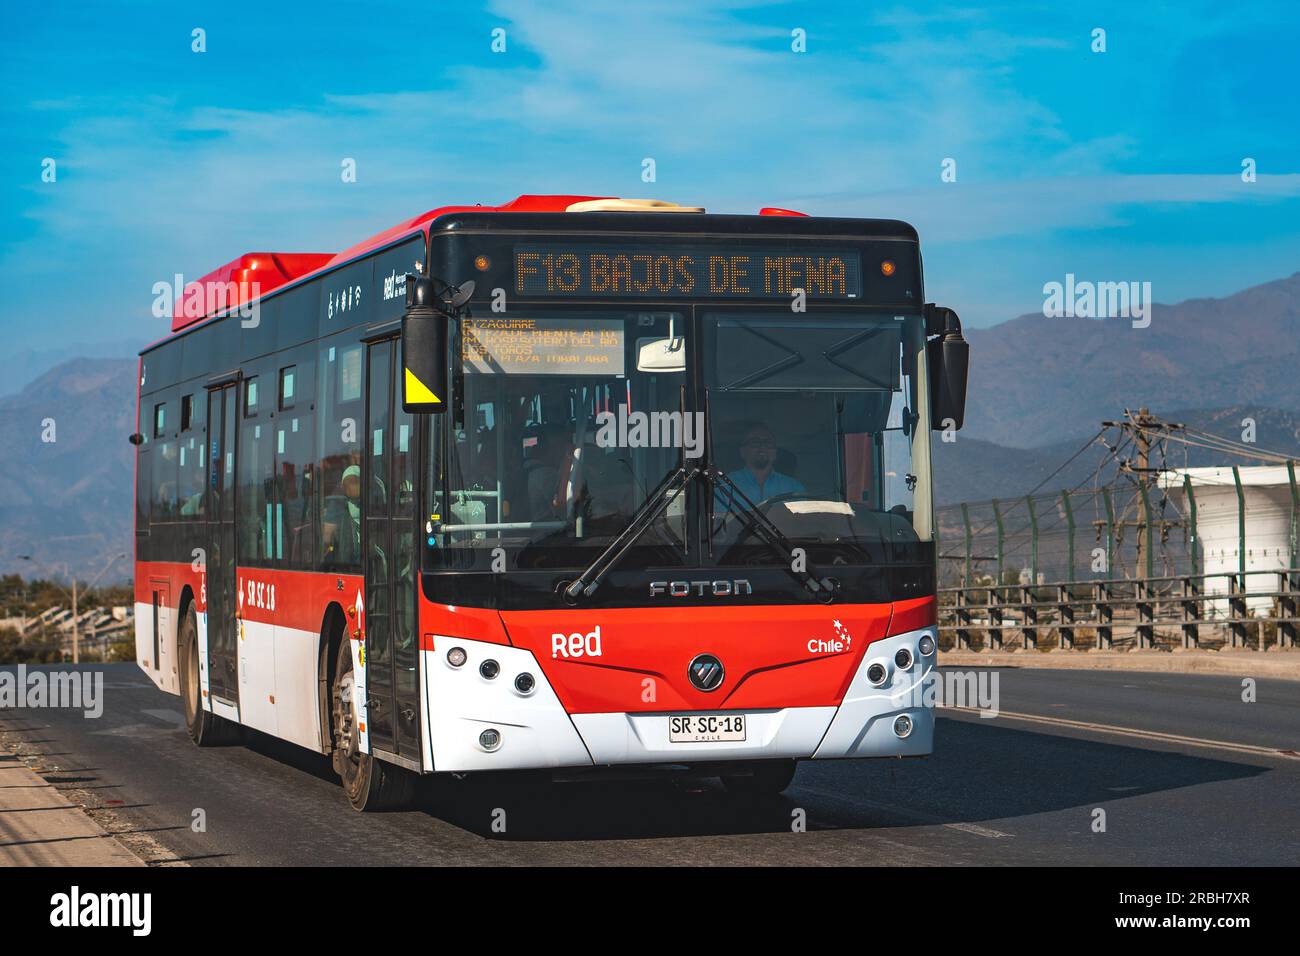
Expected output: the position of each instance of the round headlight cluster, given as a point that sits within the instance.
(489, 669)
(456, 657)
(903, 658)
(525, 683)
(925, 645)
(876, 673)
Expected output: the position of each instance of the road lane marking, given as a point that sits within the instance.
(978, 830)
(1134, 732)
(918, 816)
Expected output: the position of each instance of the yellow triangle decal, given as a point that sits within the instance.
(417, 393)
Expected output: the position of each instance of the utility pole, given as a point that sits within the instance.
(1141, 426)
(76, 629)
(89, 587)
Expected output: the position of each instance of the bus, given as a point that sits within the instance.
(571, 482)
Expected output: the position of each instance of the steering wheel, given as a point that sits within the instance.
(761, 506)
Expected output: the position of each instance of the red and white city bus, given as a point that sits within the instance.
(569, 482)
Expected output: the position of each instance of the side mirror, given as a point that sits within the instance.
(457, 296)
(949, 359)
(424, 350)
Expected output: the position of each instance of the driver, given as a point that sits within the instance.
(759, 479)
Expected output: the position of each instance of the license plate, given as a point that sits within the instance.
(705, 728)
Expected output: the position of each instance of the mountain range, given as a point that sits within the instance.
(1037, 380)
(1039, 388)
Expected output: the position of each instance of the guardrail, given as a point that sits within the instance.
(1134, 610)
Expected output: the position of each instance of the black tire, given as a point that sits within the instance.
(370, 785)
(206, 729)
(768, 778)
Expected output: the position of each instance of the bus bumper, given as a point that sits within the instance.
(535, 732)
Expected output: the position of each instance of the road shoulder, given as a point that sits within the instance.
(39, 827)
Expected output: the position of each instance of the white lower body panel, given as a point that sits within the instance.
(535, 730)
(160, 668)
(201, 623)
(864, 724)
(278, 682)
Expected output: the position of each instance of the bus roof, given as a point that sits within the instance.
(272, 270)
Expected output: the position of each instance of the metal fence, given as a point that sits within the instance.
(1188, 610)
(1064, 537)
(1123, 530)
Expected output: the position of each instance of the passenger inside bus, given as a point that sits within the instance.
(547, 448)
(341, 527)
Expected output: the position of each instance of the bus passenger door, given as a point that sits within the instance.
(223, 420)
(392, 647)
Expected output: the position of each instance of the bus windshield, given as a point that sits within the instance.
(561, 429)
(565, 421)
(820, 423)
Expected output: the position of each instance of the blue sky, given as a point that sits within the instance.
(1122, 165)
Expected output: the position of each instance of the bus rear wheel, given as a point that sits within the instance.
(768, 778)
(206, 729)
(370, 784)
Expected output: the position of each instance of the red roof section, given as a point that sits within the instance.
(251, 276)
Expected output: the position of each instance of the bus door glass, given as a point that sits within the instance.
(223, 420)
(392, 650)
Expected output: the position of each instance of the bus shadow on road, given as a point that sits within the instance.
(979, 772)
(525, 808)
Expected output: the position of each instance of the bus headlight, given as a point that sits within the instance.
(902, 725)
(925, 645)
(490, 739)
(876, 673)
(456, 657)
(525, 683)
(489, 669)
(903, 658)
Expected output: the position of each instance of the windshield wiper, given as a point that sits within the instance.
(655, 504)
(759, 523)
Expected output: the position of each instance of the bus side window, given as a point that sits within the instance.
(340, 422)
(295, 468)
(192, 459)
(256, 477)
(165, 467)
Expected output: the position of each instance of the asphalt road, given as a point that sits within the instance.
(1006, 790)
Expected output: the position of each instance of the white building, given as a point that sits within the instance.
(1267, 492)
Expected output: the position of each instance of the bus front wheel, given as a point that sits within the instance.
(206, 729)
(370, 784)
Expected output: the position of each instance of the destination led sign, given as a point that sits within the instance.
(677, 271)
(542, 346)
